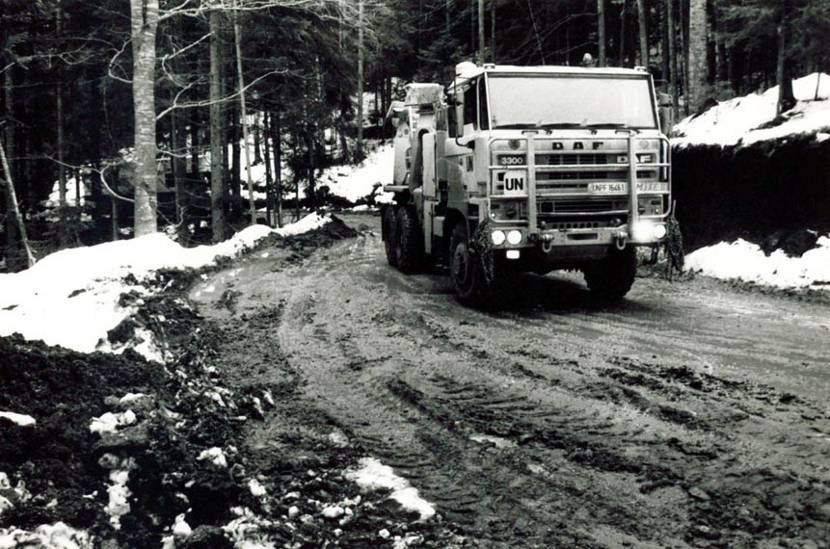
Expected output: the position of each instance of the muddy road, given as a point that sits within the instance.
(692, 414)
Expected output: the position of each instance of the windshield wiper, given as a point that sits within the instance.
(548, 126)
(609, 125)
(524, 126)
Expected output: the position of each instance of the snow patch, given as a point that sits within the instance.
(742, 260)
(373, 475)
(19, 419)
(246, 530)
(256, 488)
(735, 121)
(215, 455)
(356, 182)
(110, 422)
(118, 506)
(46, 536)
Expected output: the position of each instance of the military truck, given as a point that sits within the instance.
(528, 169)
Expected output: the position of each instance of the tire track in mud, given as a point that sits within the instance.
(541, 427)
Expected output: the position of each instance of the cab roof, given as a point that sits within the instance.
(468, 71)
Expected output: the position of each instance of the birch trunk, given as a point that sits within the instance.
(244, 116)
(144, 23)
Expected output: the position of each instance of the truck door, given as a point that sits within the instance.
(402, 150)
(429, 188)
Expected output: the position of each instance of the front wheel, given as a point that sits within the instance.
(389, 235)
(409, 241)
(612, 277)
(467, 272)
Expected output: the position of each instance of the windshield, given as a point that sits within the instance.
(570, 101)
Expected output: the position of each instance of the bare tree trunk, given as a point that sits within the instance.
(11, 197)
(683, 56)
(232, 132)
(603, 60)
(643, 30)
(492, 31)
(786, 97)
(276, 142)
(698, 67)
(244, 116)
(622, 32)
(144, 19)
(257, 139)
(194, 144)
(269, 180)
(177, 165)
(217, 183)
(672, 54)
(63, 233)
(12, 258)
(481, 44)
(360, 23)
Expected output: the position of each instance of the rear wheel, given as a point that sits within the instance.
(466, 271)
(612, 277)
(389, 235)
(409, 241)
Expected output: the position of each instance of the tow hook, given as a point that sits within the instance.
(620, 241)
(547, 243)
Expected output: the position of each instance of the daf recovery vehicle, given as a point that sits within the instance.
(528, 169)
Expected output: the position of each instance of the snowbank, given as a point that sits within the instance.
(70, 298)
(744, 261)
(356, 182)
(735, 121)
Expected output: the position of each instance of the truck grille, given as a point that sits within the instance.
(587, 159)
(580, 205)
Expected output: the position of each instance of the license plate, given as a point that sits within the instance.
(652, 187)
(607, 188)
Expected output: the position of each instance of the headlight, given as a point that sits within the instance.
(498, 237)
(645, 231)
(514, 237)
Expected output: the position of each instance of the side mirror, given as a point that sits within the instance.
(396, 109)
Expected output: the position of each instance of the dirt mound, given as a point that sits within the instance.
(57, 459)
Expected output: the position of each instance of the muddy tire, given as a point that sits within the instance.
(466, 272)
(409, 241)
(611, 278)
(390, 222)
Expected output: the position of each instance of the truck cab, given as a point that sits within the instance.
(511, 169)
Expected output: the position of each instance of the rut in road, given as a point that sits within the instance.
(530, 427)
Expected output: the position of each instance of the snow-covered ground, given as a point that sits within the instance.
(735, 121)
(356, 182)
(71, 297)
(741, 260)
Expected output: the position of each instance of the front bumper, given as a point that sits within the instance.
(646, 232)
